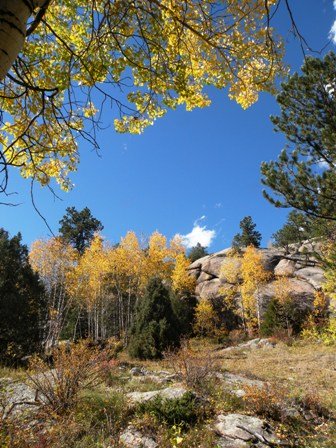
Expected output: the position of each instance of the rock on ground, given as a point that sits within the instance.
(160, 377)
(18, 397)
(169, 393)
(249, 345)
(132, 438)
(242, 430)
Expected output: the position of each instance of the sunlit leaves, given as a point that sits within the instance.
(142, 57)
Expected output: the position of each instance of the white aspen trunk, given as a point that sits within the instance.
(258, 309)
(14, 15)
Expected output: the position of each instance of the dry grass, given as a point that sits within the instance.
(303, 368)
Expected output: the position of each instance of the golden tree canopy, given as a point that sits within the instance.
(142, 57)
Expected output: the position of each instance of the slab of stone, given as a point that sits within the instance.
(169, 393)
(244, 428)
(138, 371)
(230, 443)
(204, 276)
(232, 378)
(132, 438)
(209, 288)
(250, 345)
(285, 268)
(313, 275)
(237, 383)
(18, 397)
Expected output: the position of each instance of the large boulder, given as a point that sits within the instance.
(285, 268)
(302, 292)
(300, 266)
(271, 257)
(313, 275)
(209, 289)
(242, 430)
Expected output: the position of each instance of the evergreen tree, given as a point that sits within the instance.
(248, 236)
(289, 317)
(272, 321)
(297, 229)
(156, 325)
(22, 305)
(78, 228)
(304, 176)
(184, 306)
(197, 252)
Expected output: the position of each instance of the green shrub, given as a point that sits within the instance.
(96, 408)
(185, 411)
(156, 326)
(184, 307)
(289, 317)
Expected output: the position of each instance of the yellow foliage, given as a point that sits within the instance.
(283, 290)
(88, 279)
(254, 275)
(171, 50)
(231, 270)
(55, 263)
(205, 318)
(231, 273)
(159, 262)
(53, 260)
(182, 281)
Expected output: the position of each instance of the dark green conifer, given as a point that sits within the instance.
(248, 236)
(304, 175)
(156, 325)
(22, 304)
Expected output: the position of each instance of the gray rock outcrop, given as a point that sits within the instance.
(132, 438)
(300, 266)
(168, 393)
(238, 430)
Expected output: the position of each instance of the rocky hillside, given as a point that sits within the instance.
(301, 268)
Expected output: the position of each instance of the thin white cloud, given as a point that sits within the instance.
(199, 234)
(198, 220)
(218, 205)
(332, 33)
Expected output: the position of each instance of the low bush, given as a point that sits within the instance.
(194, 368)
(185, 411)
(326, 334)
(311, 404)
(266, 401)
(74, 369)
(99, 409)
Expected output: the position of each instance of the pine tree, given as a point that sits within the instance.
(22, 305)
(78, 228)
(184, 306)
(248, 236)
(297, 229)
(197, 252)
(272, 318)
(156, 325)
(304, 175)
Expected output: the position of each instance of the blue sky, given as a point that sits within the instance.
(193, 173)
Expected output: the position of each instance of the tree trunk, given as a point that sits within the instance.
(14, 15)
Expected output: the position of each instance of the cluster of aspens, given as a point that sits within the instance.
(95, 293)
(244, 276)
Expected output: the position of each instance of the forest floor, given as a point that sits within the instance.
(277, 395)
